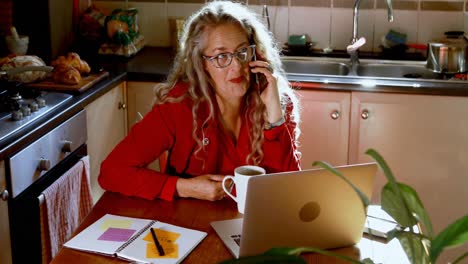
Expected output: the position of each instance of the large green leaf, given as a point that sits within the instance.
(396, 199)
(413, 245)
(394, 232)
(453, 235)
(390, 202)
(392, 205)
(364, 199)
(416, 206)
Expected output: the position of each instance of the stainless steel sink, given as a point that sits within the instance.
(338, 67)
(315, 67)
(369, 73)
(400, 71)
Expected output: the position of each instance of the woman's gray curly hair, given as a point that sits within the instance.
(188, 67)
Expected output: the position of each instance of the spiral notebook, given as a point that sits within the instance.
(130, 239)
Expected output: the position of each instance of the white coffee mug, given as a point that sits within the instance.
(241, 178)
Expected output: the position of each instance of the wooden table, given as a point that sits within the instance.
(198, 214)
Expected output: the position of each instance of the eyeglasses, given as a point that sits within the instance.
(223, 60)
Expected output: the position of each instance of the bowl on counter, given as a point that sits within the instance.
(17, 45)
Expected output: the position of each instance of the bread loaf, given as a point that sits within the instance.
(24, 61)
(66, 74)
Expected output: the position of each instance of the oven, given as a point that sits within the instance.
(34, 167)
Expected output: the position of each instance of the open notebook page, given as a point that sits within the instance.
(107, 234)
(176, 241)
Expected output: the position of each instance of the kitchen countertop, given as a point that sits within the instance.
(42, 125)
(379, 85)
(152, 64)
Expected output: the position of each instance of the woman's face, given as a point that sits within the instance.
(232, 81)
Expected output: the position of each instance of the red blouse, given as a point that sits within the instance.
(169, 127)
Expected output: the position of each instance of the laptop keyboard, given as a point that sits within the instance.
(236, 239)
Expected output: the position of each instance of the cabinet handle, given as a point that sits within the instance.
(122, 105)
(5, 195)
(365, 114)
(335, 114)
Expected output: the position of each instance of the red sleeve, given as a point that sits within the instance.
(280, 146)
(125, 169)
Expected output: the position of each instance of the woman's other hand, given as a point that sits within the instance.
(270, 95)
(205, 187)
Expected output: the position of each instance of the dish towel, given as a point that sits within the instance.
(68, 201)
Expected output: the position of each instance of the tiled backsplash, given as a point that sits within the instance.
(327, 22)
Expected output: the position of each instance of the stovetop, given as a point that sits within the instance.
(20, 107)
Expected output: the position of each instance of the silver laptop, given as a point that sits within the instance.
(313, 208)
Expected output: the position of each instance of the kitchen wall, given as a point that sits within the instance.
(327, 22)
(6, 20)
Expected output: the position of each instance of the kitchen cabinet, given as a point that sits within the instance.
(324, 127)
(5, 244)
(107, 126)
(140, 97)
(423, 138)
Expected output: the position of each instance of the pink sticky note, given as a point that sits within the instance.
(117, 234)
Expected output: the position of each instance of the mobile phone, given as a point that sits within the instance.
(260, 79)
(256, 74)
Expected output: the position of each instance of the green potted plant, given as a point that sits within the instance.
(402, 203)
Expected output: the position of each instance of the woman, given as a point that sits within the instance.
(226, 103)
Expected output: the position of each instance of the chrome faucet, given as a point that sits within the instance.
(358, 42)
(265, 13)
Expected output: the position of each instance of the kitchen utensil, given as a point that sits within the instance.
(14, 71)
(298, 40)
(299, 44)
(11, 73)
(448, 56)
(417, 46)
(300, 49)
(17, 44)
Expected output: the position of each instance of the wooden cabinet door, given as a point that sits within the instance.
(107, 126)
(140, 98)
(424, 139)
(324, 127)
(5, 244)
